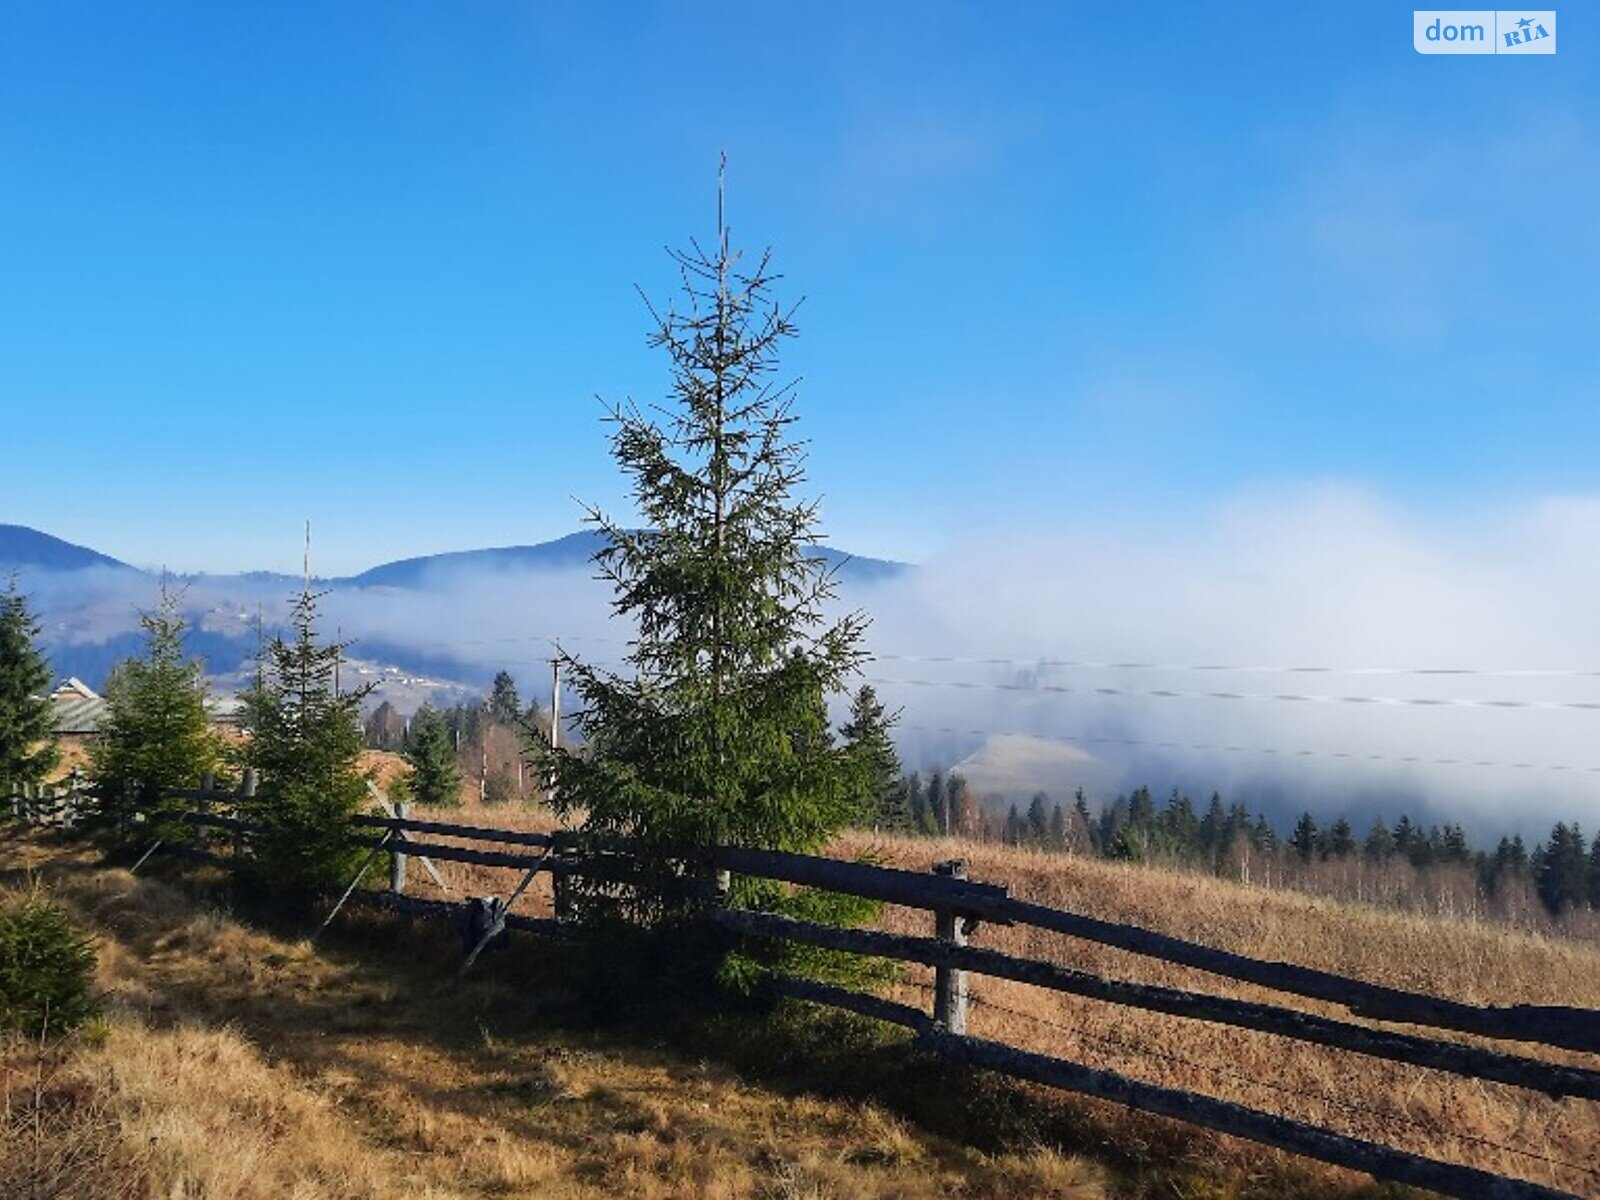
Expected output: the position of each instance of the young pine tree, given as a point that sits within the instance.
(430, 749)
(1379, 846)
(505, 706)
(1562, 876)
(936, 812)
(1341, 840)
(27, 728)
(1306, 840)
(1038, 831)
(866, 737)
(306, 742)
(715, 734)
(1089, 830)
(916, 803)
(156, 736)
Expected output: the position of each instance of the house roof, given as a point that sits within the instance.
(80, 710)
(77, 708)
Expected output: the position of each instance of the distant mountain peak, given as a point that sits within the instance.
(22, 548)
(573, 551)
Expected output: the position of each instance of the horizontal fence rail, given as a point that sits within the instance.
(1477, 1062)
(1221, 1116)
(960, 905)
(1553, 1025)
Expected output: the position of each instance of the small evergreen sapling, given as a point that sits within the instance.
(306, 741)
(866, 737)
(435, 776)
(156, 736)
(27, 725)
(46, 967)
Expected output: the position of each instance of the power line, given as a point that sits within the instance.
(1274, 751)
(1278, 752)
(1117, 665)
(1171, 694)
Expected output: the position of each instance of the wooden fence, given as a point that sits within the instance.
(959, 906)
(45, 805)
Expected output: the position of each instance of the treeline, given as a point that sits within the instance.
(478, 744)
(1405, 860)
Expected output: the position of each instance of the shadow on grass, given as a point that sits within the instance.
(377, 975)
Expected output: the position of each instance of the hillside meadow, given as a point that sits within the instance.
(236, 1060)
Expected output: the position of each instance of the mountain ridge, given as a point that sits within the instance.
(23, 547)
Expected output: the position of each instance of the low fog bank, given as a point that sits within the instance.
(1012, 651)
(1307, 578)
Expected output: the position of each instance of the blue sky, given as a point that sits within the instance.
(1064, 265)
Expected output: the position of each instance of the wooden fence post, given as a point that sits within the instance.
(397, 858)
(950, 983)
(247, 791)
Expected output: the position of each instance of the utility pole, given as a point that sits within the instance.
(555, 704)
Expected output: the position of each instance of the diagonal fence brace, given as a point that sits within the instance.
(145, 857)
(389, 810)
(500, 909)
(366, 865)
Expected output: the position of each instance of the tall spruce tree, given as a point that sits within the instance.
(1379, 845)
(1341, 839)
(715, 732)
(430, 749)
(1090, 829)
(1562, 876)
(156, 736)
(1060, 839)
(306, 742)
(1213, 834)
(1306, 839)
(935, 816)
(27, 726)
(1038, 820)
(866, 737)
(917, 803)
(505, 706)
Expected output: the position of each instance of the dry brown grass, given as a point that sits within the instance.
(240, 1063)
(1495, 1127)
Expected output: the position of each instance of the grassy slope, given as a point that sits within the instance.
(240, 1063)
(1429, 1112)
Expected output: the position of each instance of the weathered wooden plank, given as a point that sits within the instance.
(1567, 1027)
(1381, 1162)
(1474, 1061)
(462, 854)
(889, 884)
(482, 833)
(1553, 1025)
